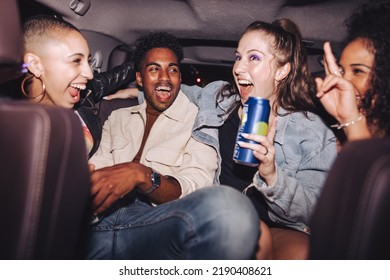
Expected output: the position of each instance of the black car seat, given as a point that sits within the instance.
(350, 220)
(10, 40)
(44, 177)
(118, 55)
(44, 194)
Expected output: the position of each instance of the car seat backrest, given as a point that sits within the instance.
(44, 176)
(10, 40)
(119, 55)
(350, 219)
(44, 194)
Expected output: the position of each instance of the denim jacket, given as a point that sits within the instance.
(305, 149)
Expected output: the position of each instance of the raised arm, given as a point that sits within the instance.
(339, 97)
(108, 82)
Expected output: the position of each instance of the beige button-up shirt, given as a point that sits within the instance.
(169, 149)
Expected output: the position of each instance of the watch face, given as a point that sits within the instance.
(156, 179)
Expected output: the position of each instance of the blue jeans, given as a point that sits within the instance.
(211, 223)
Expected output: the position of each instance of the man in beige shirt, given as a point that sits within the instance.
(149, 184)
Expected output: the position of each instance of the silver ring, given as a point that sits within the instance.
(339, 71)
(266, 150)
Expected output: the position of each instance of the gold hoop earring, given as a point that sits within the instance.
(28, 78)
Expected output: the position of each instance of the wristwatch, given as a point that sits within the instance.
(156, 182)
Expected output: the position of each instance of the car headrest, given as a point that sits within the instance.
(10, 40)
(119, 55)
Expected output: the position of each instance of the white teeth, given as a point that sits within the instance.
(79, 86)
(244, 82)
(165, 88)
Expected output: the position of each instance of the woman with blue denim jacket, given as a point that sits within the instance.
(298, 150)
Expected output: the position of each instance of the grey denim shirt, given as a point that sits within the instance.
(305, 149)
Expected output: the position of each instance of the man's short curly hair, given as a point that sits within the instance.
(155, 40)
(371, 22)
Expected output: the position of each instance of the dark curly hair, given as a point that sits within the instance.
(155, 40)
(371, 22)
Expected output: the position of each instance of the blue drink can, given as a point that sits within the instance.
(254, 120)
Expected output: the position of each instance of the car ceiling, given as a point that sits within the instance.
(208, 28)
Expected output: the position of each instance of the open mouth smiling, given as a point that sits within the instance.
(163, 91)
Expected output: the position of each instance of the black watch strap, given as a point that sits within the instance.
(156, 182)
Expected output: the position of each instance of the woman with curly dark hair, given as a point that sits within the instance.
(357, 90)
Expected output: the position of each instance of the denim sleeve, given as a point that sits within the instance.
(199, 95)
(303, 161)
(192, 92)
